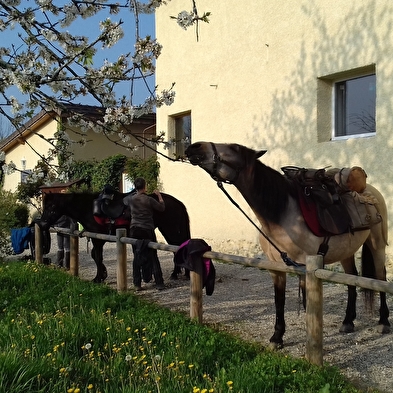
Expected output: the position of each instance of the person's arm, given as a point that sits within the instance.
(160, 205)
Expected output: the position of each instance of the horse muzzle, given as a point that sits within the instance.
(194, 154)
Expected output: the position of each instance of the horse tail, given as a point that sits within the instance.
(368, 271)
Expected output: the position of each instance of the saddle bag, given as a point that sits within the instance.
(362, 210)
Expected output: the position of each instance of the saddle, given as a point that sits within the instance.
(334, 201)
(110, 211)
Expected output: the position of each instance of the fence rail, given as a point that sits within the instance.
(314, 272)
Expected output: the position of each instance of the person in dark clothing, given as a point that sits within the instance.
(63, 242)
(142, 227)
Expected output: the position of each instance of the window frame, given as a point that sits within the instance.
(326, 102)
(339, 83)
(177, 135)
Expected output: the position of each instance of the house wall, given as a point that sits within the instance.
(98, 146)
(253, 78)
(29, 151)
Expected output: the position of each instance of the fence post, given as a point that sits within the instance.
(74, 252)
(121, 260)
(314, 311)
(196, 285)
(38, 247)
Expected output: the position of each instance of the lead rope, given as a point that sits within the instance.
(288, 261)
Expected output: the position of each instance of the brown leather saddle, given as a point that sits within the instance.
(333, 201)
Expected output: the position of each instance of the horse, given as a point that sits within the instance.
(272, 198)
(173, 222)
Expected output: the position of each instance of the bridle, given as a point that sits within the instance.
(216, 160)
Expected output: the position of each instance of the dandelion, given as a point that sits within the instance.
(90, 386)
(195, 390)
(190, 366)
(230, 385)
(128, 358)
(87, 346)
(163, 334)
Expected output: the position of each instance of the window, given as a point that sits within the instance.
(346, 104)
(181, 131)
(24, 175)
(354, 112)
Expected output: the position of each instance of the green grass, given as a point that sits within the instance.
(61, 334)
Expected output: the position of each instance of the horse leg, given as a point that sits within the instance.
(96, 254)
(279, 281)
(350, 314)
(177, 271)
(373, 266)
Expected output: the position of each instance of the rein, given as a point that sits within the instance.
(284, 256)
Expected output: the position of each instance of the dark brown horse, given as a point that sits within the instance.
(173, 222)
(271, 197)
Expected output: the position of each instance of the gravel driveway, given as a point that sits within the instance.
(243, 304)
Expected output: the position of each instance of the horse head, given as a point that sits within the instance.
(222, 161)
(51, 213)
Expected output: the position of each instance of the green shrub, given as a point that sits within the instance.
(108, 171)
(148, 169)
(13, 214)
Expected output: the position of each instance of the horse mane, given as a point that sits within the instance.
(271, 191)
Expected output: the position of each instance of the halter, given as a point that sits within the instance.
(216, 159)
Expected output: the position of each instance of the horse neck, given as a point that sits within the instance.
(265, 190)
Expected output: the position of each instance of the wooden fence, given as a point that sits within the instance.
(315, 275)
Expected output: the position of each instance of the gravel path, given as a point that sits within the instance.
(243, 304)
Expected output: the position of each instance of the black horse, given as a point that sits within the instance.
(173, 222)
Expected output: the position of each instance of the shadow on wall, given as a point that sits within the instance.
(290, 128)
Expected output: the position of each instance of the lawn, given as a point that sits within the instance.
(61, 334)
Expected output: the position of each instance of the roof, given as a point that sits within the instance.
(89, 111)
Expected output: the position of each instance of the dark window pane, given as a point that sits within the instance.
(355, 106)
(183, 133)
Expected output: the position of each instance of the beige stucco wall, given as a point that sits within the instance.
(98, 146)
(252, 78)
(30, 151)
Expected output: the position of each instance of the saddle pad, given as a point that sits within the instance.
(309, 210)
(105, 221)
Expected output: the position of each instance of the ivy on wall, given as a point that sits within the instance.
(109, 171)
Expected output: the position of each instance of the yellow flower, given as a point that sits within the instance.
(70, 390)
(77, 390)
(190, 366)
(90, 386)
(229, 383)
(195, 390)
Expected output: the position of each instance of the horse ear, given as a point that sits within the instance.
(260, 153)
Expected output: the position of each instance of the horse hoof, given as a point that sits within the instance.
(347, 328)
(383, 329)
(275, 346)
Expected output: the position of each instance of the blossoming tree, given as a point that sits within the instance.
(52, 67)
